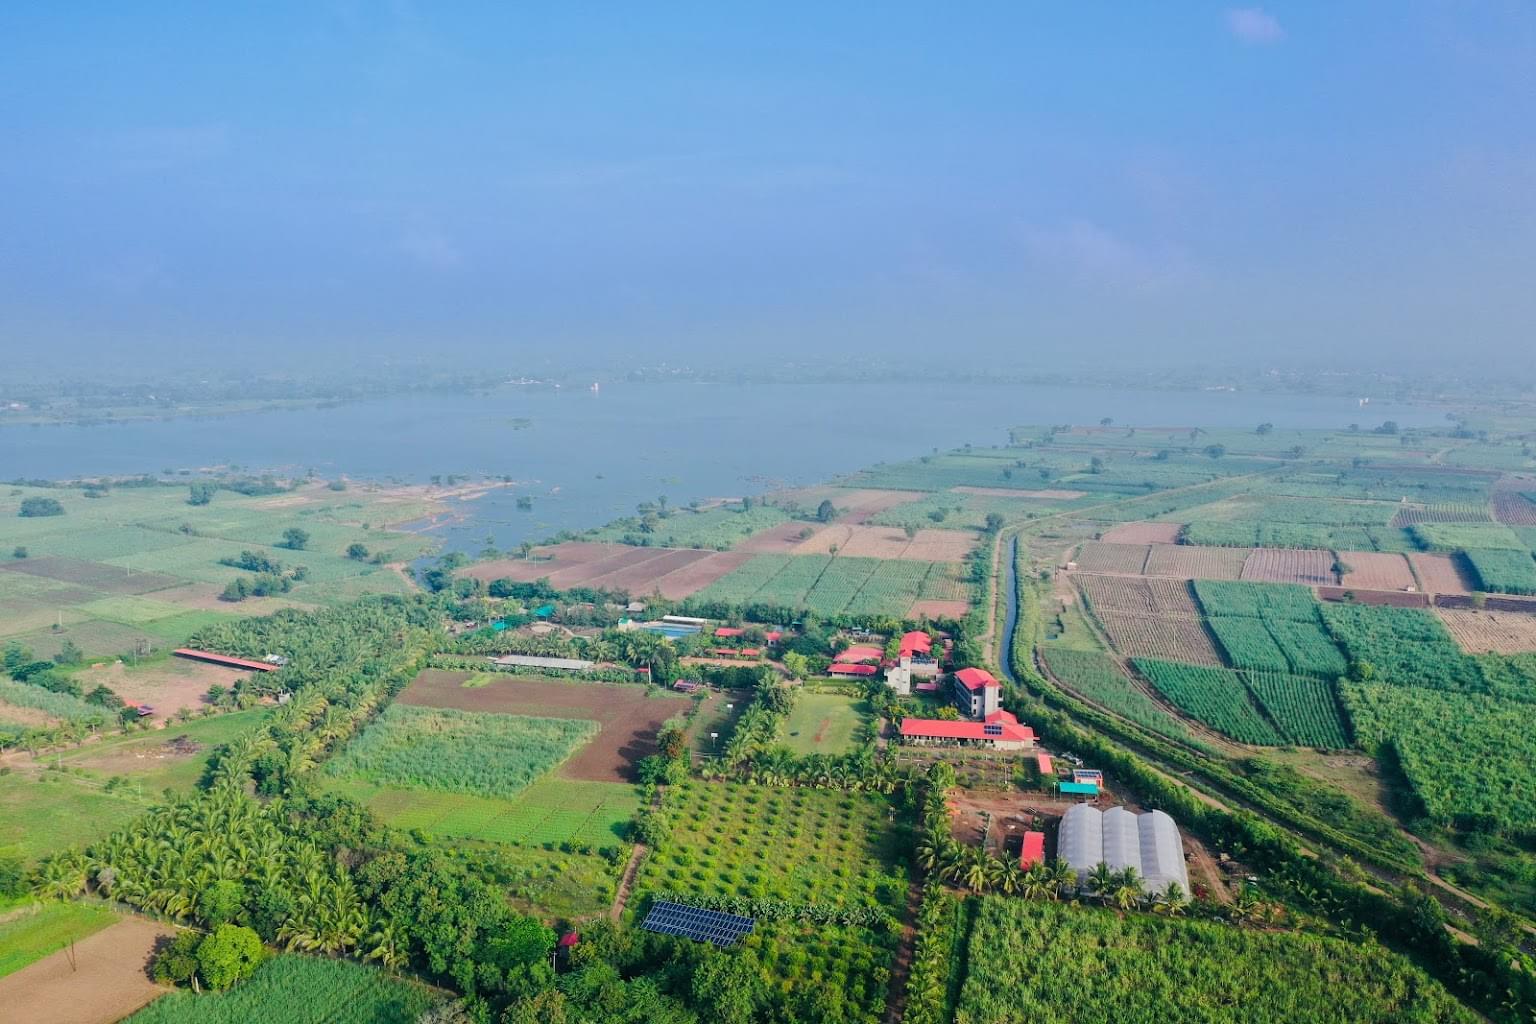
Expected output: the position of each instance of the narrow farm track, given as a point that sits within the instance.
(901, 962)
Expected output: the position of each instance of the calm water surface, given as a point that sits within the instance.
(586, 458)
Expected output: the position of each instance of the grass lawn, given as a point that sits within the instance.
(32, 931)
(825, 723)
(145, 760)
(54, 811)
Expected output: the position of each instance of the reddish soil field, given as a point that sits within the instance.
(1376, 570)
(889, 542)
(628, 717)
(1290, 565)
(1440, 574)
(1511, 508)
(939, 609)
(109, 981)
(97, 575)
(1010, 492)
(1485, 632)
(1388, 598)
(675, 572)
(1194, 562)
(777, 540)
(1143, 533)
(1138, 595)
(167, 686)
(1094, 556)
(1168, 637)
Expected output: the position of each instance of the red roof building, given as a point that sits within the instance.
(916, 644)
(852, 670)
(1044, 763)
(225, 660)
(773, 636)
(1000, 729)
(1034, 850)
(860, 653)
(976, 679)
(726, 632)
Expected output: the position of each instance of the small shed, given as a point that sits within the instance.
(1033, 851)
(1079, 789)
(1045, 764)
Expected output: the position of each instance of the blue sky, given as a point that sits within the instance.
(1335, 182)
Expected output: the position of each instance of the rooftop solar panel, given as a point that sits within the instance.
(714, 926)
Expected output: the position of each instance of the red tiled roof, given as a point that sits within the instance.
(1034, 849)
(1044, 763)
(938, 728)
(976, 679)
(569, 939)
(852, 670)
(929, 687)
(916, 642)
(729, 631)
(224, 659)
(863, 652)
(773, 636)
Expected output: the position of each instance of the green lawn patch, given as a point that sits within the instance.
(29, 933)
(825, 723)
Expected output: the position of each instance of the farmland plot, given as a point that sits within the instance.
(1376, 570)
(1143, 533)
(1172, 638)
(1514, 508)
(1249, 645)
(1491, 632)
(1308, 648)
(1290, 565)
(857, 541)
(1256, 600)
(1405, 646)
(1303, 708)
(1097, 677)
(1503, 572)
(1441, 574)
(1137, 594)
(1194, 562)
(1214, 696)
(1095, 556)
(1441, 512)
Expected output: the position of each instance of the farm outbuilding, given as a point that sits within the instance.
(226, 660)
(862, 652)
(1001, 730)
(1122, 839)
(852, 670)
(531, 661)
(1033, 850)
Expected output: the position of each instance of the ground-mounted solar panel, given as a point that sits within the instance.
(714, 926)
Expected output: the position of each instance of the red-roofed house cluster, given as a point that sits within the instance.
(977, 694)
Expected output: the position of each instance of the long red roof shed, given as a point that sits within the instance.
(999, 725)
(977, 679)
(852, 670)
(1045, 764)
(224, 659)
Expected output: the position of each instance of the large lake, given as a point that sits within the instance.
(587, 458)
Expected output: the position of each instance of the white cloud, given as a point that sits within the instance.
(1253, 25)
(1094, 256)
(431, 247)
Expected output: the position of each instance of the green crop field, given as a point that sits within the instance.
(1464, 536)
(715, 528)
(1308, 648)
(300, 990)
(455, 751)
(1303, 708)
(150, 764)
(825, 723)
(556, 811)
(1046, 963)
(1248, 644)
(831, 585)
(29, 933)
(1470, 758)
(1096, 676)
(1405, 646)
(1257, 600)
(141, 565)
(1503, 571)
(1214, 696)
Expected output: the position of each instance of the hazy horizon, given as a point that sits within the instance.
(1344, 184)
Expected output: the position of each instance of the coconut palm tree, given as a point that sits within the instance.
(1172, 901)
(1100, 879)
(1125, 889)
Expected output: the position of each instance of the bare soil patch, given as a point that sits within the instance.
(1377, 570)
(204, 597)
(939, 609)
(1143, 533)
(168, 685)
(1010, 492)
(887, 542)
(1095, 556)
(1491, 632)
(1011, 815)
(1380, 598)
(1166, 637)
(1440, 574)
(29, 718)
(1196, 562)
(110, 978)
(776, 540)
(1138, 595)
(857, 505)
(629, 718)
(1290, 565)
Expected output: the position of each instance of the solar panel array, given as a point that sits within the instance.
(700, 925)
